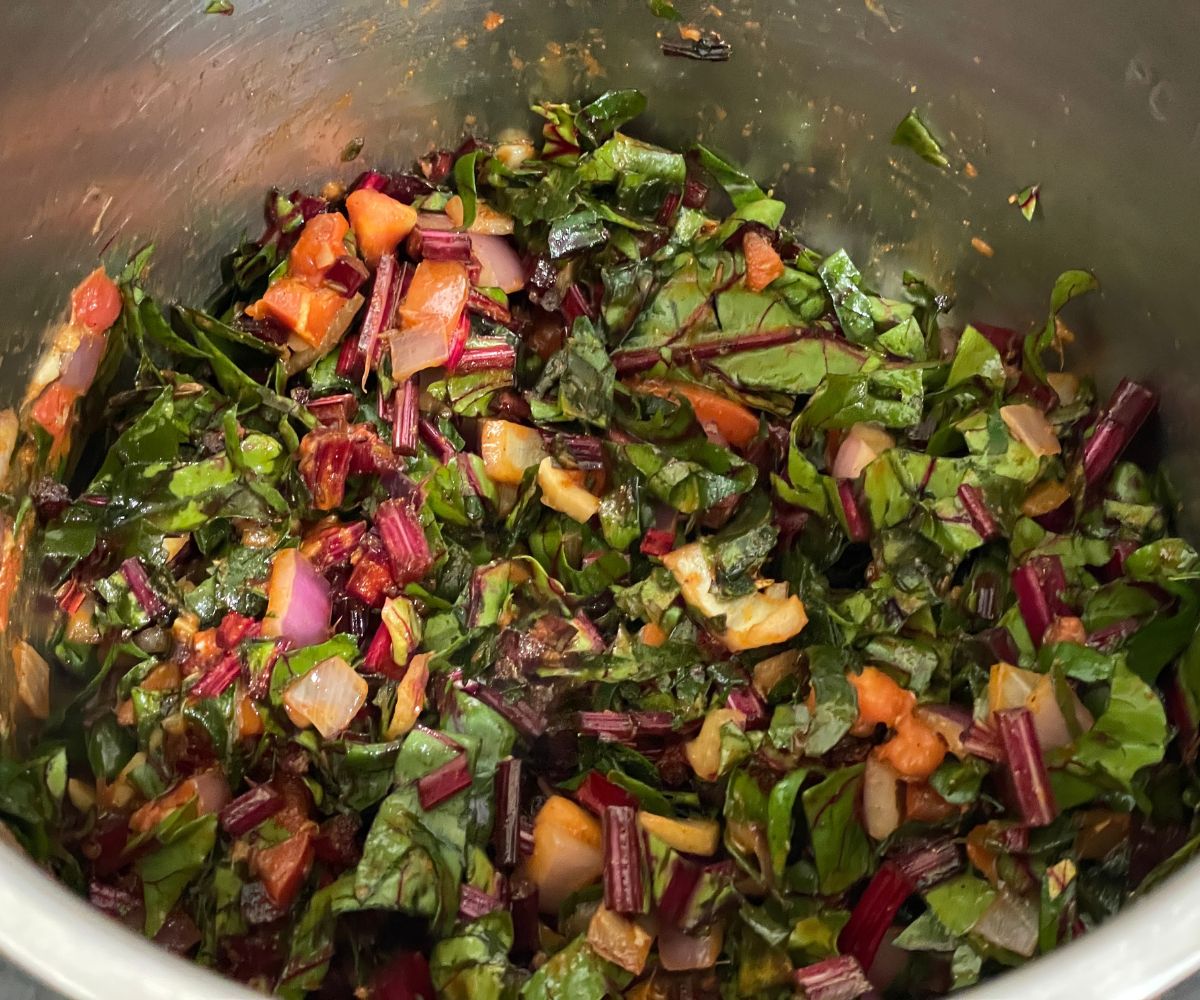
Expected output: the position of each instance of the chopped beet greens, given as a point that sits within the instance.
(541, 573)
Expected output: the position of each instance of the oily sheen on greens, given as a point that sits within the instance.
(924, 709)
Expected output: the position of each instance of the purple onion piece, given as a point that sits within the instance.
(747, 701)
(1030, 780)
(587, 452)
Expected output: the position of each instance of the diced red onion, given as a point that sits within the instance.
(80, 369)
(695, 193)
(499, 265)
(1030, 780)
(624, 887)
(444, 782)
(329, 696)
(948, 721)
(1006, 340)
(874, 912)
(837, 978)
(250, 809)
(299, 605)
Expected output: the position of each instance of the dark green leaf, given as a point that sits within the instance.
(840, 847)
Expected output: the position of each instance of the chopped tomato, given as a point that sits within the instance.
(54, 407)
(308, 312)
(284, 867)
(96, 302)
(379, 222)
(732, 421)
(438, 292)
(319, 245)
(880, 699)
(762, 262)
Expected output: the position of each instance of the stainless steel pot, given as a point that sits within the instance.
(132, 121)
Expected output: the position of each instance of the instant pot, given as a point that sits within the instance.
(128, 122)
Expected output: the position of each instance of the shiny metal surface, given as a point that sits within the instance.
(131, 121)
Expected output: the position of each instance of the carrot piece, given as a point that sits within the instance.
(54, 407)
(319, 245)
(379, 222)
(916, 751)
(652, 634)
(880, 699)
(305, 311)
(249, 722)
(763, 264)
(438, 291)
(284, 867)
(96, 302)
(567, 851)
(732, 421)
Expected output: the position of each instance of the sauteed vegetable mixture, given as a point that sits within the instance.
(541, 573)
